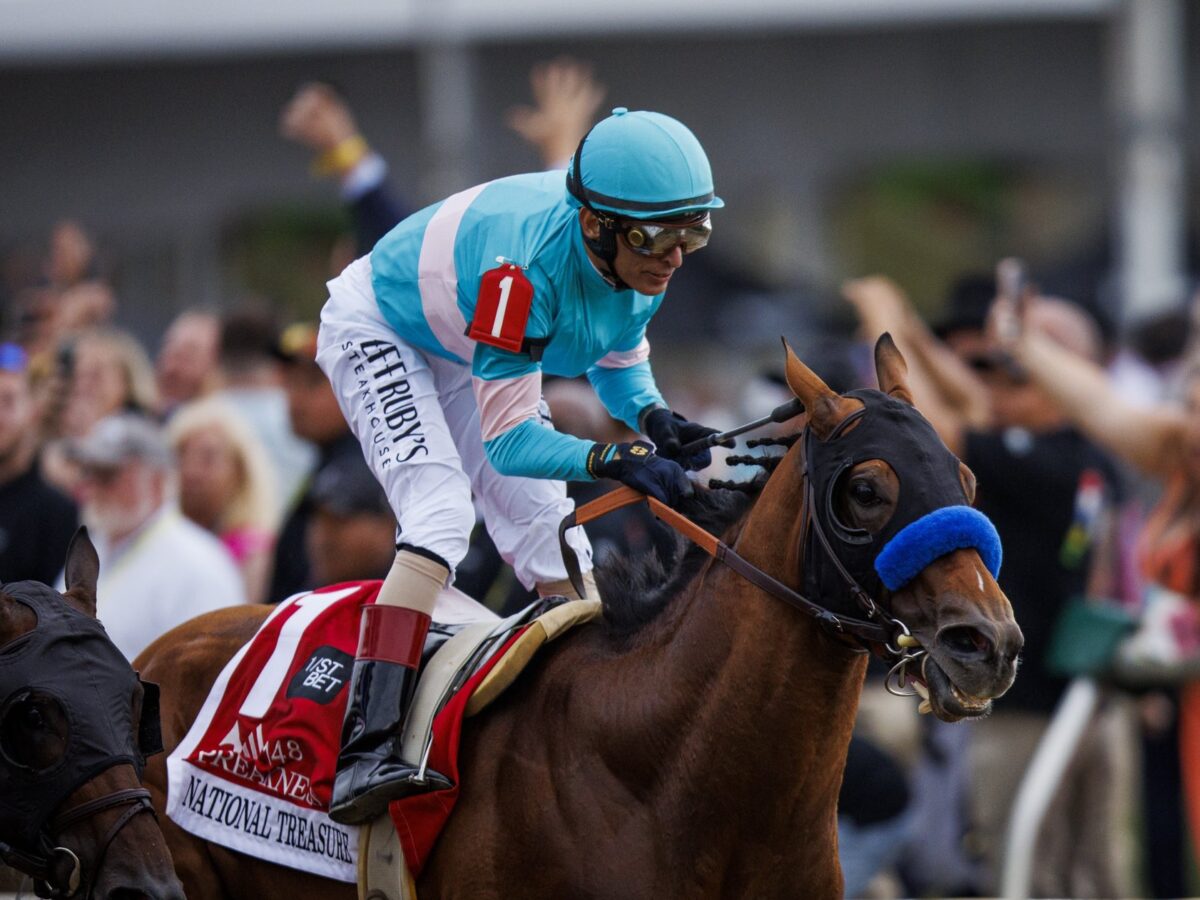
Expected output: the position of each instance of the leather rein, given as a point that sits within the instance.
(59, 870)
(879, 632)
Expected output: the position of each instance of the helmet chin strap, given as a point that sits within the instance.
(604, 247)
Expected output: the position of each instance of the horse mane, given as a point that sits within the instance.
(636, 590)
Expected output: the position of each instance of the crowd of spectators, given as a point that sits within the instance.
(216, 468)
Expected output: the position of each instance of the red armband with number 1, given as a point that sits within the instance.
(502, 308)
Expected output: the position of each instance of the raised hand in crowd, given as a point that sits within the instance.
(944, 387)
(318, 117)
(1155, 440)
(566, 99)
(72, 255)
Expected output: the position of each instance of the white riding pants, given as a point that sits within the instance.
(415, 416)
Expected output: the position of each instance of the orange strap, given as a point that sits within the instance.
(868, 631)
(616, 499)
(627, 496)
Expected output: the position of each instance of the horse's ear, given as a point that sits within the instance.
(891, 369)
(82, 572)
(826, 408)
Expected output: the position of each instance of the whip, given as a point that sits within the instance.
(781, 413)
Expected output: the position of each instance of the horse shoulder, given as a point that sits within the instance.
(186, 661)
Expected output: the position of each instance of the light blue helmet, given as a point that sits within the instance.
(641, 165)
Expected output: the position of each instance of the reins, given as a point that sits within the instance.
(59, 870)
(887, 638)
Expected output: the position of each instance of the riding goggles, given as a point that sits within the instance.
(660, 238)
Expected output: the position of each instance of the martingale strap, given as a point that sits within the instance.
(871, 632)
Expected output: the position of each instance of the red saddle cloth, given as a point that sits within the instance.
(256, 769)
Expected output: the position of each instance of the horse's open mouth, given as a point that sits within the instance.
(945, 699)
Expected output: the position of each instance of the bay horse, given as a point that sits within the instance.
(71, 709)
(693, 744)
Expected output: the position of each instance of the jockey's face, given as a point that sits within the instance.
(645, 274)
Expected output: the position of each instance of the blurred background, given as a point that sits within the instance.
(920, 137)
(166, 236)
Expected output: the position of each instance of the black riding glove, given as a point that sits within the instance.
(636, 465)
(670, 432)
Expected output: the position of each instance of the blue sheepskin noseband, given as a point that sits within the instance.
(932, 515)
(934, 535)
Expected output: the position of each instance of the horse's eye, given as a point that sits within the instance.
(864, 494)
(33, 731)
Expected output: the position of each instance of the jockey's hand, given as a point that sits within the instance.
(636, 465)
(670, 432)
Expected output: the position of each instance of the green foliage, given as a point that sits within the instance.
(925, 223)
(285, 254)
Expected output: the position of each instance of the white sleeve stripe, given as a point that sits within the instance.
(506, 403)
(623, 359)
(437, 278)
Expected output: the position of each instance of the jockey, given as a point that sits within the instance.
(435, 344)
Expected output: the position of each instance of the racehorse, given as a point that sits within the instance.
(71, 714)
(693, 744)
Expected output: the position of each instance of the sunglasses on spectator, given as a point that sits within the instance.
(657, 239)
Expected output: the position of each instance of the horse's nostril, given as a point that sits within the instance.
(965, 641)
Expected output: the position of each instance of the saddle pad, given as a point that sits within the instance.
(255, 771)
(463, 677)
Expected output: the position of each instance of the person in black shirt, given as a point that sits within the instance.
(316, 417)
(36, 521)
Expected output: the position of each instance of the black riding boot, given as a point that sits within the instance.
(370, 770)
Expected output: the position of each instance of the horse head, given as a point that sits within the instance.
(889, 524)
(75, 726)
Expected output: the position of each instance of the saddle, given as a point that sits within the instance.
(473, 664)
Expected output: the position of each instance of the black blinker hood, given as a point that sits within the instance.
(893, 431)
(68, 656)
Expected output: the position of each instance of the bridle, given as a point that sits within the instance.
(68, 660)
(932, 517)
(878, 631)
(57, 871)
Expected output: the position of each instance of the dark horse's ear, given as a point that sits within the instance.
(826, 408)
(82, 572)
(891, 369)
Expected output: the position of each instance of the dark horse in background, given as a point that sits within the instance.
(72, 812)
(693, 744)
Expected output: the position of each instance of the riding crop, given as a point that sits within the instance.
(781, 413)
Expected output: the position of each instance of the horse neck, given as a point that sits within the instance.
(775, 694)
